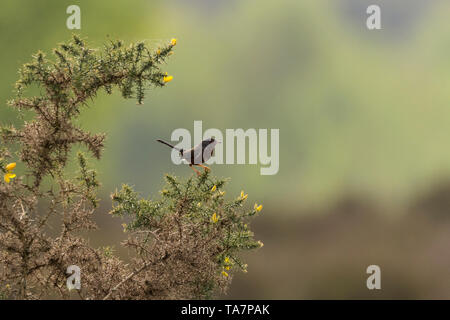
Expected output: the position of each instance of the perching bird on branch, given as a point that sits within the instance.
(197, 155)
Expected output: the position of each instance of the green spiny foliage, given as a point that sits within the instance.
(69, 81)
(195, 223)
(186, 243)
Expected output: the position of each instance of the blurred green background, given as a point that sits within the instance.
(364, 119)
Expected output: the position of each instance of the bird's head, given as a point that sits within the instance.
(211, 142)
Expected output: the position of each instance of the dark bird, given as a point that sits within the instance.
(198, 154)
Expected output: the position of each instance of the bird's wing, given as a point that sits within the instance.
(208, 152)
(193, 155)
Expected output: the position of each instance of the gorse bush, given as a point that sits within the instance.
(195, 236)
(184, 245)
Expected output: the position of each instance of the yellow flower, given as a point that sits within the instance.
(214, 218)
(8, 176)
(260, 244)
(258, 208)
(8, 286)
(173, 41)
(158, 52)
(222, 193)
(224, 274)
(167, 78)
(227, 263)
(213, 188)
(199, 204)
(10, 166)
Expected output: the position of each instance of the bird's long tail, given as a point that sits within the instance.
(168, 144)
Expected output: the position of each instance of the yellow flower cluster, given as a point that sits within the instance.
(9, 175)
(243, 195)
(257, 208)
(227, 263)
(173, 42)
(220, 193)
(167, 79)
(214, 218)
(227, 266)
